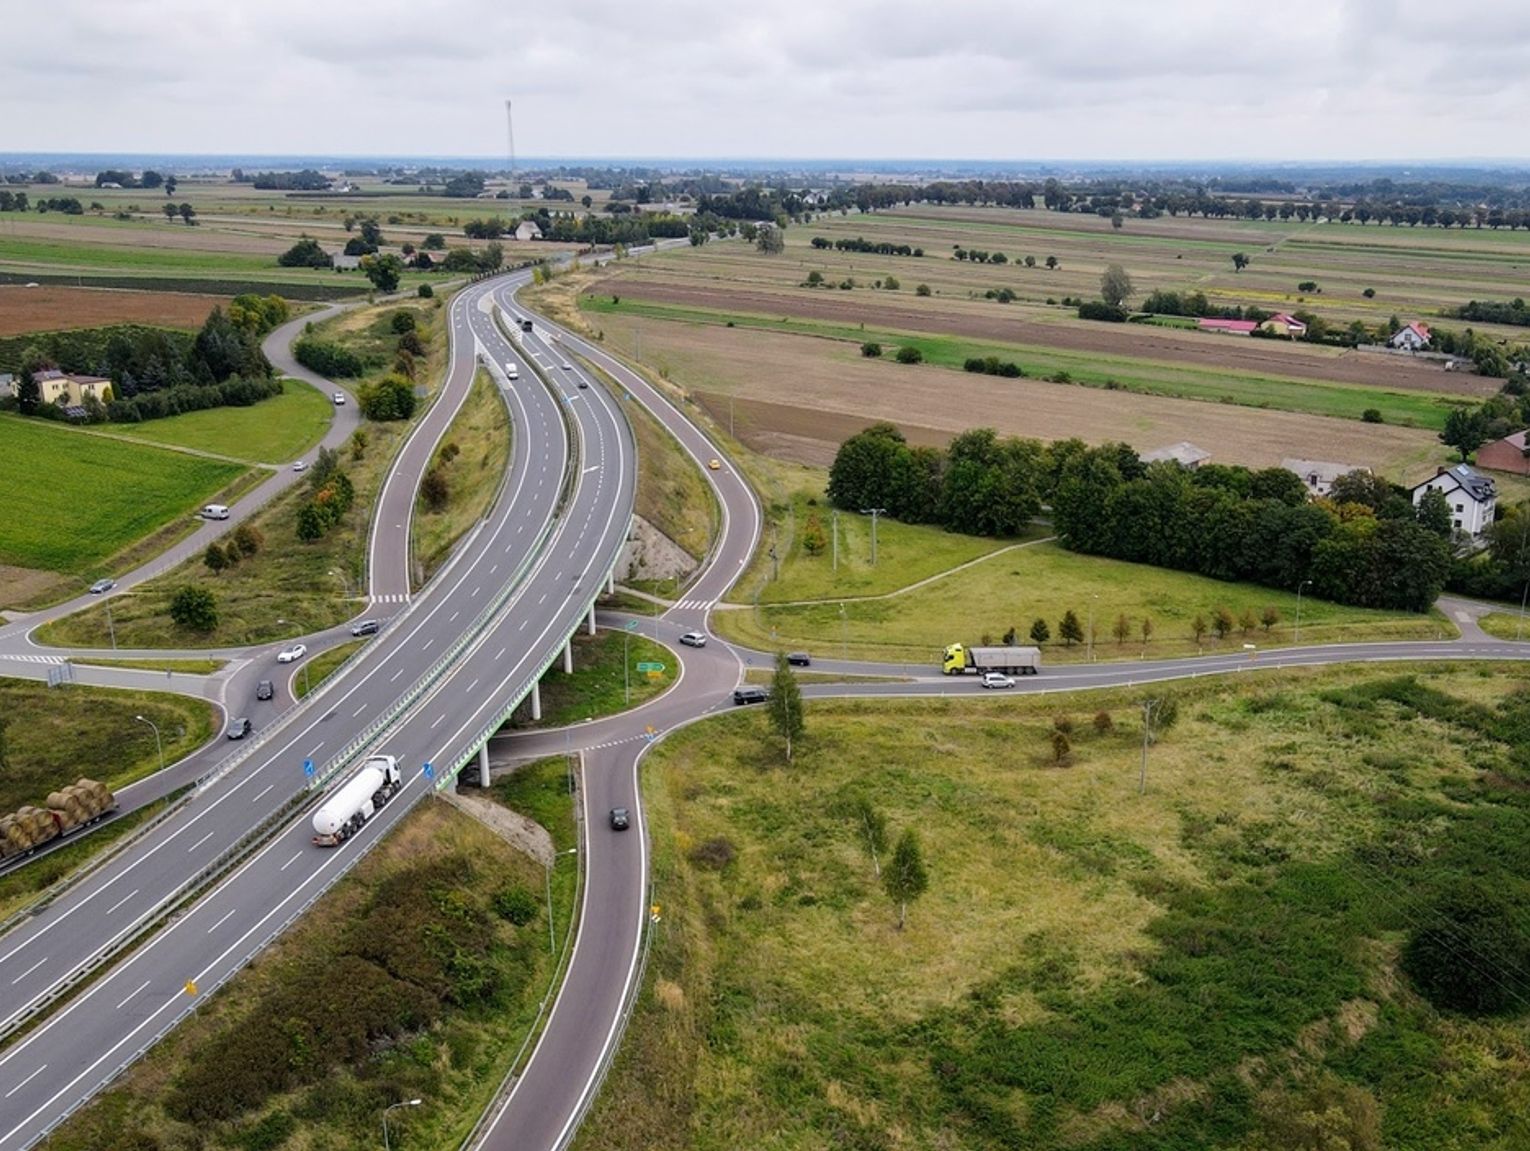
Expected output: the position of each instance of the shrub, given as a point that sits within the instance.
(1061, 747)
(402, 321)
(248, 539)
(1063, 723)
(922, 290)
(891, 284)
(327, 358)
(1372, 416)
(214, 558)
(1469, 954)
(435, 491)
(715, 854)
(909, 355)
(391, 398)
(517, 905)
(1099, 310)
(871, 349)
(1369, 293)
(194, 608)
(1103, 723)
(425, 291)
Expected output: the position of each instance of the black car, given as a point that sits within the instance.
(366, 627)
(265, 689)
(240, 728)
(745, 695)
(798, 658)
(619, 819)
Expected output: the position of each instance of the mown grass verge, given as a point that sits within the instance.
(415, 977)
(1214, 963)
(53, 736)
(274, 431)
(189, 666)
(597, 686)
(470, 463)
(322, 666)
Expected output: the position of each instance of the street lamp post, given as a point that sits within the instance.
(158, 745)
(1089, 658)
(873, 513)
(552, 945)
(344, 581)
(387, 1146)
(1297, 636)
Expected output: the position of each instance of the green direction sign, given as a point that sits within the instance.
(645, 665)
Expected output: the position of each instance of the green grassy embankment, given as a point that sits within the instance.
(1214, 963)
(274, 431)
(472, 459)
(322, 666)
(597, 686)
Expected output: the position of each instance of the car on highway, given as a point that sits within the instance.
(366, 627)
(265, 689)
(292, 654)
(583, 383)
(567, 367)
(620, 819)
(240, 728)
(694, 639)
(743, 695)
(339, 399)
(714, 463)
(997, 679)
(799, 658)
(102, 586)
(511, 371)
(299, 466)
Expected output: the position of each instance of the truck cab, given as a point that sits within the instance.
(954, 661)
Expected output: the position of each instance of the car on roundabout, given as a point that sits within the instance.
(292, 654)
(694, 639)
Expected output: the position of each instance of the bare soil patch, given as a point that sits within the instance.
(995, 322)
(800, 395)
(176, 237)
(50, 309)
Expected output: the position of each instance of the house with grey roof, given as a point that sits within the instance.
(1184, 453)
(1319, 475)
(1471, 495)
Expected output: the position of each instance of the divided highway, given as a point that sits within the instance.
(556, 560)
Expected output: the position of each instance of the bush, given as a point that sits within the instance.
(1369, 293)
(1372, 416)
(517, 905)
(871, 350)
(327, 358)
(391, 398)
(1103, 723)
(922, 290)
(425, 291)
(909, 355)
(1470, 953)
(402, 321)
(1099, 310)
(435, 491)
(248, 539)
(194, 608)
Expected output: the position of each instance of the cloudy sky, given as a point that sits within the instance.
(984, 79)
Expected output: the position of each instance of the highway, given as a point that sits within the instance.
(565, 558)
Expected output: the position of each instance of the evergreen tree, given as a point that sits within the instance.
(1070, 631)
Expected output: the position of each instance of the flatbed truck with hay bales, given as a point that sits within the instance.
(64, 812)
(1012, 660)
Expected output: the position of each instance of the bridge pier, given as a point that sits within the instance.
(483, 765)
(536, 701)
(568, 657)
(592, 619)
(611, 583)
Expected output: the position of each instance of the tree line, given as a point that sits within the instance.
(1365, 544)
(861, 244)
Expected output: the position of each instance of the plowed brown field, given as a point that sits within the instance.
(50, 308)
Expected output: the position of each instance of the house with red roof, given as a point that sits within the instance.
(1285, 324)
(1412, 338)
(1227, 327)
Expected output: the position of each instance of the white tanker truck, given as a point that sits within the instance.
(357, 801)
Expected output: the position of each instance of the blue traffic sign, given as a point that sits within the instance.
(308, 768)
(430, 772)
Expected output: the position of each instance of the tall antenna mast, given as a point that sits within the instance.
(510, 129)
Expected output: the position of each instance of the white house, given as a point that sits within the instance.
(1470, 494)
(1412, 338)
(344, 263)
(527, 230)
(1184, 453)
(1319, 475)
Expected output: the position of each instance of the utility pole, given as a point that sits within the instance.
(510, 129)
(1147, 721)
(1090, 657)
(844, 633)
(1297, 635)
(873, 513)
(112, 627)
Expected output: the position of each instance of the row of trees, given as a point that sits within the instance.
(330, 495)
(860, 244)
(1365, 545)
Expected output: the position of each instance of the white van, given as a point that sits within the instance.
(215, 512)
(511, 371)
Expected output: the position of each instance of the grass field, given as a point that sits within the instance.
(322, 666)
(82, 498)
(56, 735)
(481, 433)
(274, 431)
(290, 588)
(1213, 963)
(1042, 580)
(443, 1024)
(597, 686)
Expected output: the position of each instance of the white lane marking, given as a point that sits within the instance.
(427, 643)
(591, 468)
(199, 842)
(121, 901)
(358, 711)
(474, 684)
(29, 971)
(493, 569)
(126, 1001)
(25, 1081)
(474, 592)
(291, 861)
(455, 614)
(396, 674)
(439, 718)
(523, 622)
(500, 654)
(263, 790)
(543, 598)
(222, 921)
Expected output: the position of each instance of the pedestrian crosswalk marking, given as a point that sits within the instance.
(389, 598)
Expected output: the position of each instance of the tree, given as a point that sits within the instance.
(922, 290)
(371, 232)
(1070, 631)
(770, 239)
(248, 539)
(1147, 630)
(306, 253)
(425, 291)
(28, 394)
(1052, 263)
(214, 558)
(435, 491)
(188, 213)
(908, 354)
(1222, 622)
(1030, 261)
(784, 705)
(170, 211)
(433, 242)
(1117, 220)
(1115, 286)
(383, 271)
(905, 879)
(1434, 513)
(194, 608)
(890, 283)
(871, 824)
(1269, 617)
(1465, 430)
(1240, 261)
(1247, 621)
(1198, 627)
(871, 349)
(170, 185)
(586, 201)
(1040, 632)
(1122, 628)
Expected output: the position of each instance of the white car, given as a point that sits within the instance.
(299, 466)
(339, 399)
(694, 639)
(997, 679)
(292, 654)
(567, 367)
(512, 372)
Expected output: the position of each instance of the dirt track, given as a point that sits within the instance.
(986, 321)
(50, 308)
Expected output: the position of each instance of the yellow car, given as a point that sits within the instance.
(714, 463)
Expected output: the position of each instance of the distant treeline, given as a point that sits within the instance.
(859, 244)
(1366, 545)
(307, 180)
(1491, 311)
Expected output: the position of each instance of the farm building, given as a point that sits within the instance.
(527, 230)
(344, 263)
(1282, 323)
(1227, 327)
(1184, 453)
(1509, 454)
(1471, 495)
(1319, 475)
(1412, 338)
